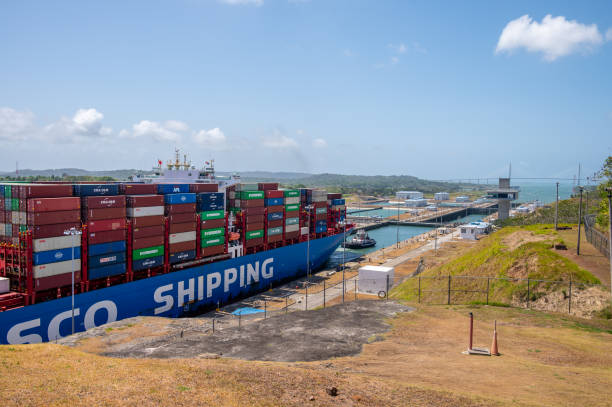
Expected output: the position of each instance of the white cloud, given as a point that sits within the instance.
(154, 130)
(239, 2)
(348, 53)
(609, 34)
(86, 124)
(319, 143)
(279, 141)
(554, 36)
(176, 125)
(15, 125)
(213, 138)
(394, 60)
(399, 48)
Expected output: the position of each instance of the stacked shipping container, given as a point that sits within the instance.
(146, 214)
(211, 209)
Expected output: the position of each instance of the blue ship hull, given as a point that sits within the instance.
(167, 295)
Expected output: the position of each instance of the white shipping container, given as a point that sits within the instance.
(145, 211)
(232, 194)
(54, 269)
(182, 237)
(292, 228)
(4, 285)
(322, 198)
(55, 243)
(319, 192)
(23, 218)
(15, 218)
(292, 200)
(304, 231)
(375, 279)
(2, 227)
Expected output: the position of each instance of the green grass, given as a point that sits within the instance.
(490, 257)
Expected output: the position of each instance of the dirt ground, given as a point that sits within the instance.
(590, 258)
(297, 336)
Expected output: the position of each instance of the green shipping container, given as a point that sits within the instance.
(23, 228)
(147, 252)
(292, 221)
(7, 191)
(15, 204)
(291, 193)
(208, 215)
(275, 231)
(292, 207)
(321, 211)
(213, 241)
(254, 234)
(252, 195)
(215, 232)
(235, 210)
(247, 187)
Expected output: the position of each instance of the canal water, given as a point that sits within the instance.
(383, 213)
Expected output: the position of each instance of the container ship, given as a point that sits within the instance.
(169, 245)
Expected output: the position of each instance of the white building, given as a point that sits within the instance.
(402, 195)
(441, 196)
(432, 208)
(462, 198)
(375, 279)
(473, 230)
(415, 202)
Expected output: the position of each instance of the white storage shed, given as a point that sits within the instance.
(415, 203)
(400, 195)
(441, 196)
(375, 279)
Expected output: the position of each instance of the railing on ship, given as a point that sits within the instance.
(595, 237)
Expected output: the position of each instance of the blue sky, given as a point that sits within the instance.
(423, 88)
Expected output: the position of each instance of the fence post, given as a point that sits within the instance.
(286, 303)
(387, 292)
(355, 289)
(265, 308)
(213, 326)
(528, 296)
(449, 289)
(323, 293)
(239, 318)
(306, 296)
(569, 306)
(488, 278)
(419, 288)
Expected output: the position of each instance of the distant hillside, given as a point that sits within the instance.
(75, 172)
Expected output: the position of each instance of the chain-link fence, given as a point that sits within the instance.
(595, 237)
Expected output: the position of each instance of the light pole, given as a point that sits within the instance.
(579, 221)
(72, 232)
(557, 209)
(309, 209)
(397, 230)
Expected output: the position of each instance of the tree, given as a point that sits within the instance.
(606, 174)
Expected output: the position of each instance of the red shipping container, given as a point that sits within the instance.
(2, 200)
(213, 223)
(254, 211)
(182, 217)
(105, 213)
(255, 219)
(95, 202)
(53, 218)
(147, 242)
(22, 204)
(148, 231)
(182, 227)
(137, 189)
(201, 187)
(38, 232)
(320, 204)
(292, 235)
(254, 226)
(53, 204)
(334, 196)
(107, 224)
(16, 191)
(44, 191)
(264, 186)
(274, 194)
(144, 221)
(251, 203)
(106, 236)
(322, 216)
(60, 280)
(292, 214)
(212, 250)
(275, 223)
(279, 208)
(275, 238)
(180, 208)
(182, 247)
(140, 201)
(15, 230)
(254, 242)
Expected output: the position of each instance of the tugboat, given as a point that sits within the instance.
(361, 241)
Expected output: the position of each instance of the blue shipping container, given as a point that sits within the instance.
(211, 197)
(275, 216)
(143, 264)
(53, 256)
(106, 271)
(338, 201)
(106, 259)
(95, 189)
(182, 256)
(209, 206)
(321, 223)
(320, 229)
(180, 198)
(104, 248)
(172, 188)
(275, 201)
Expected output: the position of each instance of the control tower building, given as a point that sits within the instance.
(504, 194)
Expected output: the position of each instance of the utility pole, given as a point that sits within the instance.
(557, 209)
(610, 232)
(397, 230)
(579, 221)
